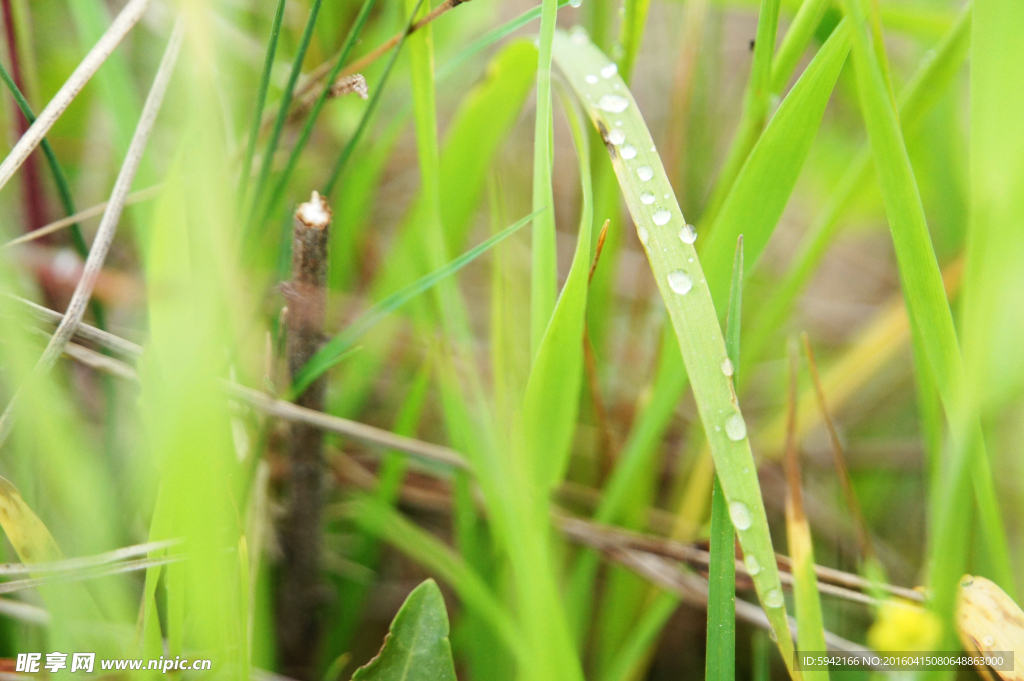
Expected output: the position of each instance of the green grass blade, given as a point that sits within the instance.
(474, 137)
(59, 177)
(642, 637)
(681, 281)
(364, 120)
(282, 109)
(314, 113)
(933, 76)
(755, 107)
(544, 266)
(335, 349)
(260, 102)
(552, 395)
(764, 185)
(932, 323)
(631, 34)
(720, 658)
(996, 238)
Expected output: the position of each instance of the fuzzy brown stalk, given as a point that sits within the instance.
(300, 593)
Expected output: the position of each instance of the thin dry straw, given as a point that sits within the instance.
(90, 212)
(117, 30)
(108, 225)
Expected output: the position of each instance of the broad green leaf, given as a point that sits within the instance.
(386, 523)
(680, 278)
(416, 647)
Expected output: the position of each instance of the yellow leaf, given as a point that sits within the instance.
(987, 620)
(26, 532)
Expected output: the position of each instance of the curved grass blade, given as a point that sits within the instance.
(334, 350)
(766, 181)
(933, 77)
(552, 395)
(544, 265)
(60, 179)
(680, 278)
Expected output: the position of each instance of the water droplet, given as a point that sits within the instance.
(629, 152)
(688, 234)
(647, 198)
(667, 195)
(727, 367)
(753, 567)
(610, 70)
(772, 635)
(740, 515)
(774, 599)
(661, 217)
(967, 581)
(644, 173)
(575, 3)
(618, 124)
(616, 137)
(613, 103)
(616, 87)
(989, 641)
(641, 232)
(680, 282)
(579, 35)
(592, 79)
(735, 428)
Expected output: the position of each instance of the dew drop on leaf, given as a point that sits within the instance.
(680, 282)
(740, 515)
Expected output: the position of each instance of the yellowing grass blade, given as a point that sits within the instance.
(26, 532)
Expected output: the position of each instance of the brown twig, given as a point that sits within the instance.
(863, 536)
(300, 593)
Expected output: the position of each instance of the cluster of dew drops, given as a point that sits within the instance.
(613, 103)
(679, 281)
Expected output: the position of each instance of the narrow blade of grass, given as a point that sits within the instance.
(810, 626)
(720, 662)
(932, 323)
(335, 349)
(544, 266)
(681, 281)
(553, 388)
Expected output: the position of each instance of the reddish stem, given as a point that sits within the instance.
(32, 196)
